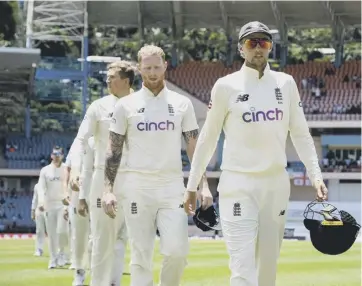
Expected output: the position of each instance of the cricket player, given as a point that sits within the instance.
(50, 198)
(120, 77)
(150, 186)
(79, 222)
(39, 218)
(67, 190)
(256, 107)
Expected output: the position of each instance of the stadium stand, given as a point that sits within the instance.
(325, 96)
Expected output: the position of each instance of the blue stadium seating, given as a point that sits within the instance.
(30, 152)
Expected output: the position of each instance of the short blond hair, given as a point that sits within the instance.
(125, 69)
(150, 50)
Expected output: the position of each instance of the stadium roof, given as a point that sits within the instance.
(17, 69)
(199, 14)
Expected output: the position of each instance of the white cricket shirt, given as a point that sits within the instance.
(256, 116)
(87, 170)
(50, 186)
(95, 123)
(153, 126)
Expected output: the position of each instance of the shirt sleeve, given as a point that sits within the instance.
(189, 121)
(209, 135)
(42, 187)
(34, 202)
(301, 138)
(86, 130)
(119, 119)
(86, 174)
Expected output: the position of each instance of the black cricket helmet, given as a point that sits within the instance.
(207, 220)
(332, 231)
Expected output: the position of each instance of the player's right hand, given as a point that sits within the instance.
(74, 180)
(33, 214)
(109, 203)
(83, 208)
(190, 202)
(66, 214)
(65, 201)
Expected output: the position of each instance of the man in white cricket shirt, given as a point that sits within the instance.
(39, 217)
(120, 77)
(256, 108)
(80, 228)
(50, 198)
(67, 191)
(150, 188)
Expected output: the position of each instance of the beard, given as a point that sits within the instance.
(153, 84)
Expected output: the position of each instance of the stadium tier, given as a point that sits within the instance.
(327, 93)
(14, 210)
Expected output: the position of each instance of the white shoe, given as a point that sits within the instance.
(38, 253)
(52, 264)
(79, 278)
(61, 260)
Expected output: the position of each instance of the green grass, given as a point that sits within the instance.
(299, 265)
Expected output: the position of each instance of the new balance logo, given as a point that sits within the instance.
(99, 203)
(141, 110)
(171, 110)
(242, 98)
(278, 95)
(237, 209)
(110, 114)
(134, 208)
(181, 206)
(282, 213)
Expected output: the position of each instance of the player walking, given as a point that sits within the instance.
(39, 218)
(257, 108)
(120, 77)
(150, 188)
(79, 221)
(50, 198)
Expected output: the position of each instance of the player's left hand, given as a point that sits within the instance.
(206, 198)
(190, 202)
(322, 191)
(109, 203)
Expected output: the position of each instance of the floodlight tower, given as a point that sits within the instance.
(59, 21)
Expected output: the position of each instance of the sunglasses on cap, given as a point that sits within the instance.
(57, 153)
(263, 43)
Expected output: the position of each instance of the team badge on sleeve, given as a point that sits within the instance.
(210, 104)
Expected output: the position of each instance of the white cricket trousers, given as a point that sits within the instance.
(40, 229)
(57, 229)
(80, 232)
(148, 204)
(109, 238)
(252, 211)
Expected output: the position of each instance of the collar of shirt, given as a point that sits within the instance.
(149, 93)
(253, 73)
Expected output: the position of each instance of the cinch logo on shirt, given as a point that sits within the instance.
(256, 116)
(156, 126)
